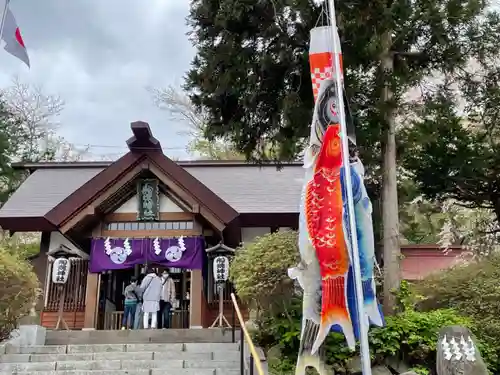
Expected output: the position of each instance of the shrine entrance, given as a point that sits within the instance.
(115, 261)
(111, 300)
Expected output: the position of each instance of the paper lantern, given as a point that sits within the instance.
(60, 271)
(221, 268)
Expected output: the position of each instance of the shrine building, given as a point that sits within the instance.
(115, 218)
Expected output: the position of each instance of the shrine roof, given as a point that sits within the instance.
(239, 186)
(246, 188)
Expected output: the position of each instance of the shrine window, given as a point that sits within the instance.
(150, 225)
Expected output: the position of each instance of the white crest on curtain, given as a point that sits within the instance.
(117, 254)
(173, 253)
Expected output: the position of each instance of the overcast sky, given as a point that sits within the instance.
(99, 56)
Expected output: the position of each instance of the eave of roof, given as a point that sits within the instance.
(27, 224)
(181, 163)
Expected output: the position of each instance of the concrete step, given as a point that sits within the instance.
(133, 372)
(140, 336)
(117, 348)
(105, 365)
(165, 355)
(146, 352)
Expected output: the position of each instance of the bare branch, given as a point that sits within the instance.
(180, 108)
(37, 113)
(32, 106)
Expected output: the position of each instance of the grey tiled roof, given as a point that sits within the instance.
(44, 189)
(248, 189)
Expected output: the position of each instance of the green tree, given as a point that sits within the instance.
(457, 138)
(19, 290)
(259, 270)
(251, 76)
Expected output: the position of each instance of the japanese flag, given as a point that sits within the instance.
(11, 35)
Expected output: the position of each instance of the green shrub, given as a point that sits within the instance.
(474, 291)
(410, 336)
(19, 290)
(259, 269)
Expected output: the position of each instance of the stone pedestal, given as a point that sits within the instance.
(28, 335)
(252, 318)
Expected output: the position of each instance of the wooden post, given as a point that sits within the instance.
(221, 319)
(91, 300)
(196, 300)
(60, 315)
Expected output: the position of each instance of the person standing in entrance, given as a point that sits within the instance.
(151, 287)
(131, 295)
(138, 311)
(166, 301)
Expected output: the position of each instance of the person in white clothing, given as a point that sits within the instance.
(152, 288)
(166, 301)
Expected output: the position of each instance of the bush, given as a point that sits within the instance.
(19, 290)
(259, 269)
(410, 337)
(474, 291)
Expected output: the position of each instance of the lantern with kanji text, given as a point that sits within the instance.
(60, 270)
(221, 269)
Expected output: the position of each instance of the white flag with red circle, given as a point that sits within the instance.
(11, 35)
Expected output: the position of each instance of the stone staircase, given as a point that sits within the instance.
(153, 352)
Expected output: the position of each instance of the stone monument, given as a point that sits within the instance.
(457, 353)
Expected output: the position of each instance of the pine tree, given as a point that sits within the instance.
(251, 75)
(457, 135)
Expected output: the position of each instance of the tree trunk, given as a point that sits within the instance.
(495, 200)
(390, 215)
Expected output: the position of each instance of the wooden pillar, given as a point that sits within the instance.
(196, 300)
(91, 300)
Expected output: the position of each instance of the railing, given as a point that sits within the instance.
(245, 337)
(178, 319)
(113, 320)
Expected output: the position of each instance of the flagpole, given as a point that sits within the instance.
(4, 14)
(363, 328)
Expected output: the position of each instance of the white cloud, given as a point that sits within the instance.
(99, 56)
